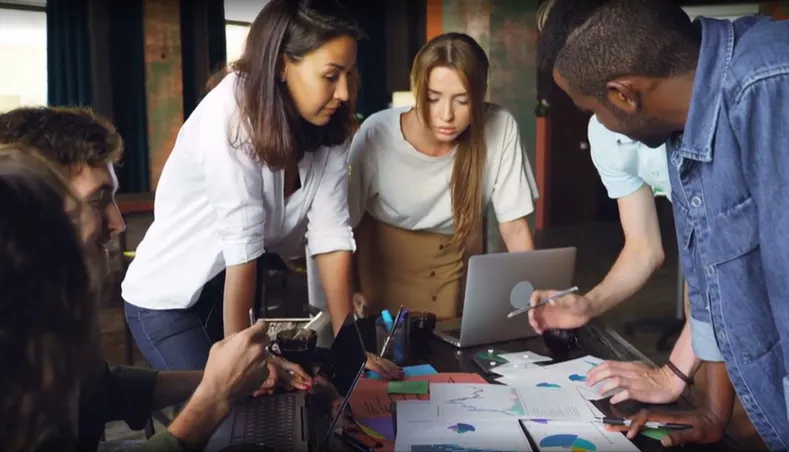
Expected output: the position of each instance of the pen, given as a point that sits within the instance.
(251, 317)
(648, 424)
(392, 331)
(543, 301)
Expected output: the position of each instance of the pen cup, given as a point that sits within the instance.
(398, 347)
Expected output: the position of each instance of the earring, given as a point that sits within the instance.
(282, 79)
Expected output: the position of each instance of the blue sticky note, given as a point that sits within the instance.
(411, 371)
(416, 371)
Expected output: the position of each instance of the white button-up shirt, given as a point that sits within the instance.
(216, 206)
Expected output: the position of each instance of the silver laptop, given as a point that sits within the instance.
(489, 281)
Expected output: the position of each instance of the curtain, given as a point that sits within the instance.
(203, 46)
(69, 68)
(127, 72)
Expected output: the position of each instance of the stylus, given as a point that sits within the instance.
(543, 301)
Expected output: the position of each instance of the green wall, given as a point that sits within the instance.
(507, 30)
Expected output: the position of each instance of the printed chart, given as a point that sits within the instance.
(480, 399)
(468, 435)
(491, 402)
(576, 437)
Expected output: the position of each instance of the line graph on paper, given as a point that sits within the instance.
(490, 400)
(467, 402)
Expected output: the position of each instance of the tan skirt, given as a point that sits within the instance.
(419, 270)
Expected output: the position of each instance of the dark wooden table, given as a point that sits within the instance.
(594, 339)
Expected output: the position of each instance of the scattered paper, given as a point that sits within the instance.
(574, 372)
(492, 355)
(515, 370)
(565, 374)
(370, 397)
(408, 387)
(563, 436)
(525, 357)
(490, 402)
(452, 436)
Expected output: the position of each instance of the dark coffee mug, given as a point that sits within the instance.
(422, 326)
(297, 346)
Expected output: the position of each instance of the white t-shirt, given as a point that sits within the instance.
(403, 187)
(625, 165)
(216, 206)
(400, 186)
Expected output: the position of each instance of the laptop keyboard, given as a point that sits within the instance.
(266, 421)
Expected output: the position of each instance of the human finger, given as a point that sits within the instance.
(636, 423)
(533, 322)
(612, 369)
(619, 397)
(679, 438)
(539, 295)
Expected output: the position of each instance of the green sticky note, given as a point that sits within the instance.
(408, 387)
(655, 433)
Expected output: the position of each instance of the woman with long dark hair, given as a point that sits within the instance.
(259, 164)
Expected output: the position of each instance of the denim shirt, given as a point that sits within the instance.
(731, 204)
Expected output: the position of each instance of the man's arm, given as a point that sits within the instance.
(640, 257)
(175, 387)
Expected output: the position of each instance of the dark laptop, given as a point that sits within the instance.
(299, 421)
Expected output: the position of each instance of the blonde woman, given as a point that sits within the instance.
(422, 177)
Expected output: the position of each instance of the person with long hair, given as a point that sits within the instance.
(50, 280)
(83, 148)
(261, 162)
(46, 301)
(423, 177)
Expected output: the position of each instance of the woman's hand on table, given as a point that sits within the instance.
(383, 367)
(636, 381)
(565, 313)
(705, 427)
(285, 374)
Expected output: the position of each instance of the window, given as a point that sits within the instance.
(235, 35)
(23, 58)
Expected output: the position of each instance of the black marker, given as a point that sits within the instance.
(648, 424)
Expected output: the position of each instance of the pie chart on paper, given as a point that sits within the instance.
(461, 428)
(573, 443)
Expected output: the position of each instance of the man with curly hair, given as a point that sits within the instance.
(85, 147)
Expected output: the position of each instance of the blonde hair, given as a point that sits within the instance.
(47, 294)
(461, 53)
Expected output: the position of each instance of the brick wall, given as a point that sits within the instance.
(164, 82)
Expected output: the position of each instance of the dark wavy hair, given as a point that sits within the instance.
(275, 130)
(47, 310)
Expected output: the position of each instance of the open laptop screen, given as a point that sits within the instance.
(334, 382)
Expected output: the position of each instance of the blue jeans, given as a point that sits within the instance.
(179, 339)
